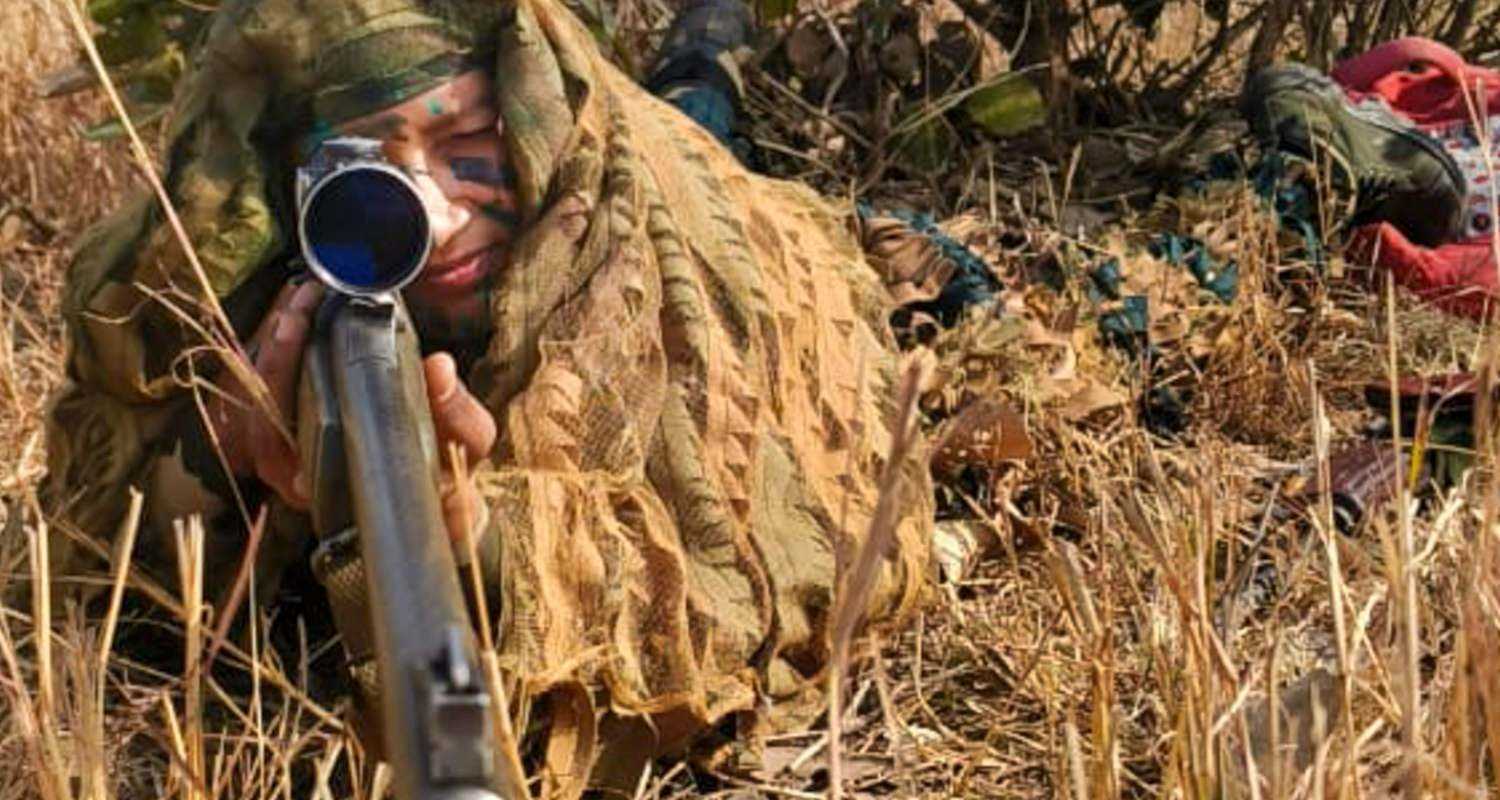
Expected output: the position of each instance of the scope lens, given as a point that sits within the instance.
(367, 229)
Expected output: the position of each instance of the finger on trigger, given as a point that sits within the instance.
(279, 360)
(296, 318)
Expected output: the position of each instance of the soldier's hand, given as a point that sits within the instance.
(252, 443)
(458, 418)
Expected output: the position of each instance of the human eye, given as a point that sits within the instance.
(389, 129)
(475, 125)
(410, 160)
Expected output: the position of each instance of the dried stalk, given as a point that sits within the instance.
(853, 592)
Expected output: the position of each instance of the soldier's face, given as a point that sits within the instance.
(449, 140)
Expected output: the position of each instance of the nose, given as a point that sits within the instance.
(448, 215)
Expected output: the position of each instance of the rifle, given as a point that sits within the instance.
(367, 443)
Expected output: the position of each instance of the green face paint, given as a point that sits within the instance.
(434, 107)
(319, 132)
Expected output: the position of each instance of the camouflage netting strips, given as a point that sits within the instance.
(690, 367)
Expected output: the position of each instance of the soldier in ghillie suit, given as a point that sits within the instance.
(652, 356)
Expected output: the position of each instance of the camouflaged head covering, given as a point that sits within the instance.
(269, 74)
(320, 64)
(372, 54)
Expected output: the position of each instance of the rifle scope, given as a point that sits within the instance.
(361, 220)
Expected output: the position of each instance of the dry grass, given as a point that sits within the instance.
(51, 183)
(1105, 646)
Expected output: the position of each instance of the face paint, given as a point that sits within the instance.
(500, 214)
(319, 132)
(482, 171)
(434, 107)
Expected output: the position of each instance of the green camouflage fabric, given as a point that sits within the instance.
(689, 363)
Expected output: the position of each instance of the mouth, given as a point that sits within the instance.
(460, 273)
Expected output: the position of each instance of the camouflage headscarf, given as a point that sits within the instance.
(271, 74)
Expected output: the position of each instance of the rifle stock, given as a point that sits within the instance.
(366, 438)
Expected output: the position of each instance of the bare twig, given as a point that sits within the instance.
(853, 591)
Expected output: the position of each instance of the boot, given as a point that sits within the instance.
(696, 68)
(1398, 173)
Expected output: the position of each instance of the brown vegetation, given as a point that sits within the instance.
(1109, 641)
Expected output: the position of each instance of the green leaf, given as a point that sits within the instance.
(1011, 106)
(772, 10)
(103, 11)
(133, 35)
(154, 80)
(928, 146)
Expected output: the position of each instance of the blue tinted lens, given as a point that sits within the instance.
(367, 228)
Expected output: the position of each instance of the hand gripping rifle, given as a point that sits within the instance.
(366, 440)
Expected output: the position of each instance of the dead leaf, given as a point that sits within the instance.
(807, 47)
(12, 232)
(1067, 319)
(1088, 400)
(985, 433)
(959, 544)
(900, 57)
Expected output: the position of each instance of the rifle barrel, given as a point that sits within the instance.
(436, 711)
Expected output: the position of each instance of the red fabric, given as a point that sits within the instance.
(1420, 78)
(1432, 86)
(1458, 277)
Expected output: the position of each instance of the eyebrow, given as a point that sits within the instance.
(385, 126)
(468, 118)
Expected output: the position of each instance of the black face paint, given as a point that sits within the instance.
(482, 171)
(502, 215)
